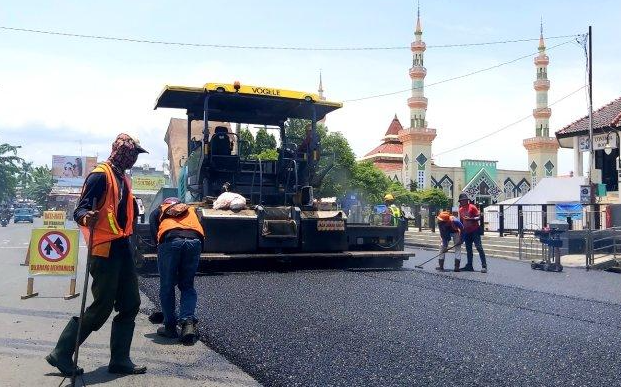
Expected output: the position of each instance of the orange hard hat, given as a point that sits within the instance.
(444, 216)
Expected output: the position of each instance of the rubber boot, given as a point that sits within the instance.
(189, 331)
(120, 344)
(61, 356)
(440, 265)
(457, 266)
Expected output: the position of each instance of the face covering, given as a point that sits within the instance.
(124, 152)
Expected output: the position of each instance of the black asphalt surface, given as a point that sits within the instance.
(413, 327)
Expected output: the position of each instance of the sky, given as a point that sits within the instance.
(72, 96)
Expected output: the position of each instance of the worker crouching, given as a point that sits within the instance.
(179, 235)
(450, 229)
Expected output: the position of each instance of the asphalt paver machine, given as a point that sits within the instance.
(282, 218)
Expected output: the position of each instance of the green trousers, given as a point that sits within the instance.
(115, 286)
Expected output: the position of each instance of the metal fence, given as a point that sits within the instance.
(600, 243)
(420, 216)
(520, 219)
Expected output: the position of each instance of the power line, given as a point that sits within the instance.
(506, 126)
(244, 47)
(456, 77)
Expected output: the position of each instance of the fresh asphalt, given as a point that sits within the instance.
(338, 327)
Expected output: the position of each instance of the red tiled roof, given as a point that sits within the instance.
(608, 115)
(388, 166)
(387, 147)
(394, 127)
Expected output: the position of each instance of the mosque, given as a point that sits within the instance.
(405, 154)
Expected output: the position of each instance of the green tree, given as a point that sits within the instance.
(264, 141)
(247, 147)
(268, 154)
(402, 195)
(435, 197)
(370, 182)
(25, 175)
(9, 170)
(40, 185)
(335, 149)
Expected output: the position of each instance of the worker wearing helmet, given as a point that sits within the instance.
(469, 215)
(179, 236)
(392, 213)
(450, 228)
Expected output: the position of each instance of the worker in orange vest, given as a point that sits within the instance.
(179, 235)
(115, 283)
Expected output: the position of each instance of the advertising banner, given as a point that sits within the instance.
(53, 252)
(148, 182)
(70, 171)
(565, 210)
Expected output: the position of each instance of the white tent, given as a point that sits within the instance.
(549, 191)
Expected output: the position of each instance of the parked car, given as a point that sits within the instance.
(36, 213)
(23, 215)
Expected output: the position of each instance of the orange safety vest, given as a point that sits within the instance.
(107, 227)
(187, 221)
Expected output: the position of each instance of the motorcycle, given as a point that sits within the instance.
(4, 222)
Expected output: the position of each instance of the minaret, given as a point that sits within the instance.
(542, 149)
(321, 97)
(320, 89)
(418, 137)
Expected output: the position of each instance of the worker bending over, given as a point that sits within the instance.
(179, 235)
(450, 229)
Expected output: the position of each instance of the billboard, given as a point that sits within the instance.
(70, 171)
(148, 182)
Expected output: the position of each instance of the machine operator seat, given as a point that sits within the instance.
(220, 143)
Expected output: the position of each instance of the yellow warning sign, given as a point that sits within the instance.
(54, 219)
(53, 252)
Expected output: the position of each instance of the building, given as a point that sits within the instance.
(405, 153)
(176, 139)
(606, 125)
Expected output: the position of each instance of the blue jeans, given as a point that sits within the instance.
(177, 261)
(474, 238)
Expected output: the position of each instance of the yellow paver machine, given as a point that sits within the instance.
(282, 219)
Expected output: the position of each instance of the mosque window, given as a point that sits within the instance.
(420, 181)
(509, 189)
(446, 187)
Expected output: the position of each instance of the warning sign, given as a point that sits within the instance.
(53, 252)
(54, 219)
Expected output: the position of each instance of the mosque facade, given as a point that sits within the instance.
(405, 153)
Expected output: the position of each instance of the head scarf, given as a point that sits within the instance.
(125, 152)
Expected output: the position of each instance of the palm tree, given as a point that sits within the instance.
(41, 182)
(9, 170)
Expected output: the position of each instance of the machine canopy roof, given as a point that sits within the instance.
(248, 104)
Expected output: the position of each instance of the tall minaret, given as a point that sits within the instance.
(321, 96)
(542, 149)
(418, 137)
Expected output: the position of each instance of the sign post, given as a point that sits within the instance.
(52, 253)
(54, 219)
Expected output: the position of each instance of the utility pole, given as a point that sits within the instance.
(590, 69)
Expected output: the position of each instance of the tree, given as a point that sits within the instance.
(435, 197)
(268, 154)
(370, 182)
(247, 146)
(40, 185)
(9, 170)
(335, 149)
(25, 175)
(264, 141)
